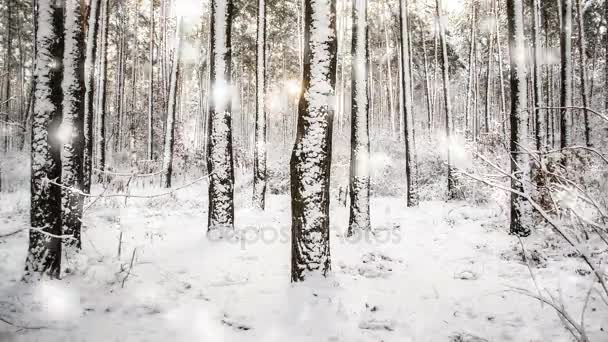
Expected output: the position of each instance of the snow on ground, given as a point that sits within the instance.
(440, 272)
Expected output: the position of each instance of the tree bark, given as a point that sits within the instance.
(44, 252)
(520, 167)
(220, 164)
(150, 145)
(566, 74)
(582, 50)
(103, 74)
(447, 98)
(89, 104)
(540, 115)
(311, 158)
(171, 108)
(259, 158)
(73, 121)
(406, 102)
(359, 140)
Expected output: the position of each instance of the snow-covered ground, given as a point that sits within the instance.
(440, 272)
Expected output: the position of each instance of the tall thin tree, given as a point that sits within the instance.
(73, 121)
(259, 158)
(520, 168)
(359, 138)
(171, 108)
(219, 147)
(406, 102)
(566, 74)
(582, 51)
(445, 68)
(311, 158)
(44, 252)
(89, 104)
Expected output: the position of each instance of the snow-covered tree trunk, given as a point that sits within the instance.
(72, 131)
(520, 160)
(359, 139)
(566, 74)
(407, 103)
(311, 158)
(489, 72)
(503, 100)
(170, 131)
(89, 103)
(427, 84)
(44, 252)
(540, 116)
(103, 81)
(150, 141)
(606, 59)
(471, 73)
(259, 157)
(445, 66)
(219, 147)
(582, 50)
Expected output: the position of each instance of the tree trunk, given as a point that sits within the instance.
(471, 76)
(220, 164)
(359, 140)
(150, 149)
(311, 158)
(520, 167)
(566, 74)
(407, 103)
(103, 74)
(73, 121)
(44, 252)
(447, 99)
(583, 70)
(259, 159)
(540, 115)
(170, 131)
(89, 104)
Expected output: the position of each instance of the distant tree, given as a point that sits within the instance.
(520, 163)
(311, 158)
(259, 159)
(219, 154)
(73, 120)
(44, 252)
(170, 130)
(359, 139)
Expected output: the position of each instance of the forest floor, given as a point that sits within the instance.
(439, 272)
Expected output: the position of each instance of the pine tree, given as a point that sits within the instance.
(566, 74)
(583, 69)
(170, 131)
(44, 252)
(406, 102)
(219, 154)
(311, 158)
(445, 65)
(89, 103)
(102, 91)
(540, 115)
(73, 120)
(259, 159)
(150, 146)
(359, 139)
(520, 163)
